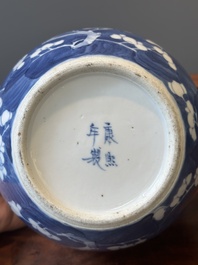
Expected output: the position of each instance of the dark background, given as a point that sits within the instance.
(26, 23)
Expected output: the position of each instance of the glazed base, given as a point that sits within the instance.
(99, 142)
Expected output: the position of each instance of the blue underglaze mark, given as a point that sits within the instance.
(96, 153)
(110, 160)
(109, 136)
(95, 157)
(93, 132)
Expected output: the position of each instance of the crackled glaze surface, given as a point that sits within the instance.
(94, 42)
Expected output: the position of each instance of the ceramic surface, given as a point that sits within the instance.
(122, 52)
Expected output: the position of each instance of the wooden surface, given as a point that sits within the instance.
(195, 79)
(178, 245)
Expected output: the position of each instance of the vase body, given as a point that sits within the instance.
(99, 144)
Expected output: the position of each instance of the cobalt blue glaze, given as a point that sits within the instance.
(77, 44)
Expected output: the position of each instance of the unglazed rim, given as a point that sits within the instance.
(72, 68)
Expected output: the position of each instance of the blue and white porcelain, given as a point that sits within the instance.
(98, 136)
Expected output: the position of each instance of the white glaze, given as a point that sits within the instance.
(53, 122)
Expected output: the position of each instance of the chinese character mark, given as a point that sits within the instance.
(93, 132)
(110, 160)
(95, 157)
(109, 137)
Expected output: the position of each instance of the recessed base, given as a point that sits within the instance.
(99, 142)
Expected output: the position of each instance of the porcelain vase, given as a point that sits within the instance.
(98, 139)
